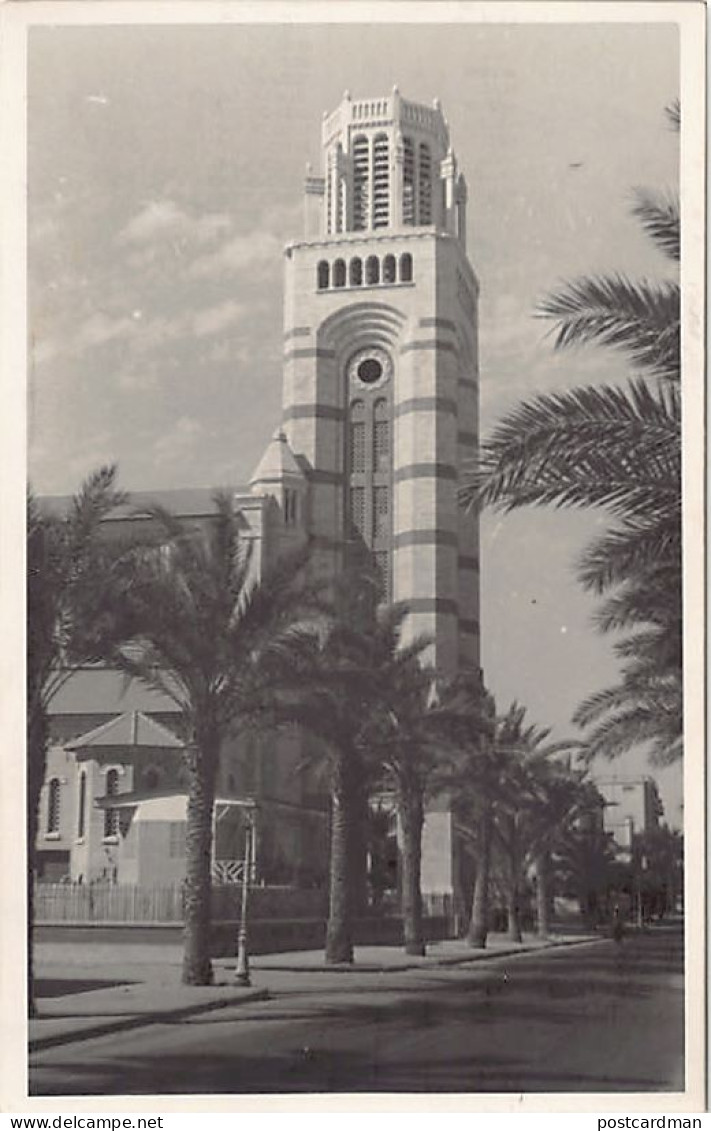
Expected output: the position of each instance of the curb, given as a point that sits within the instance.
(483, 955)
(138, 1021)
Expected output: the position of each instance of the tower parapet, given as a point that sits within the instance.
(387, 165)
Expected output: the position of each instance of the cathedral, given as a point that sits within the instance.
(380, 412)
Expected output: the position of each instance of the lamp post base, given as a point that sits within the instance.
(242, 968)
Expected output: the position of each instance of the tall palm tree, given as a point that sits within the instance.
(68, 566)
(330, 695)
(199, 628)
(471, 772)
(611, 447)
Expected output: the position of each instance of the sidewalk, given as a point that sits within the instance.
(87, 992)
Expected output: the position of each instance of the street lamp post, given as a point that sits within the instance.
(242, 968)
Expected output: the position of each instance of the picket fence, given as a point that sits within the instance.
(129, 903)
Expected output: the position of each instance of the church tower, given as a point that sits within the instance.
(380, 363)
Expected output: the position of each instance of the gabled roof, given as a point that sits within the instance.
(278, 462)
(184, 502)
(133, 728)
(105, 691)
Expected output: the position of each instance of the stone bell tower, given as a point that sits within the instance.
(380, 363)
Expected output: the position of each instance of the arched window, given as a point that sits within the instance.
(408, 184)
(81, 805)
(389, 271)
(361, 178)
(357, 444)
(53, 805)
(381, 435)
(323, 275)
(339, 273)
(111, 815)
(406, 268)
(425, 177)
(372, 270)
(381, 181)
(355, 272)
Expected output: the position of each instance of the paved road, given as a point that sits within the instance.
(588, 1018)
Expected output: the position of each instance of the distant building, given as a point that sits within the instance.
(632, 806)
(380, 411)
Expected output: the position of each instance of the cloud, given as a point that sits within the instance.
(216, 318)
(259, 249)
(164, 218)
(100, 328)
(174, 446)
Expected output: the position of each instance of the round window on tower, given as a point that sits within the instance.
(370, 370)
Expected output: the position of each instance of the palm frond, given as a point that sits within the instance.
(640, 318)
(659, 216)
(611, 447)
(626, 549)
(673, 114)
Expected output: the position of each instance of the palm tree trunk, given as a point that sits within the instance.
(358, 849)
(37, 735)
(339, 933)
(412, 821)
(479, 922)
(513, 893)
(197, 967)
(542, 894)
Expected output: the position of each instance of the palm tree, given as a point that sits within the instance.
(67, 568)
(197, 627)
(330, 695)
(611, 447)
(410, 723)
(524, 817)
(471, 772)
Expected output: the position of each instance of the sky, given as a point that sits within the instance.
(165, 177)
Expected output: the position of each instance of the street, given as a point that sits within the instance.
(587, 1018)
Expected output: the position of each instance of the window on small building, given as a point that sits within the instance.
(322, 275)
(372, 270)
(111, 815)
(81, 805)
(406, 268)
(53, 805)
(339, 273)
(290, 497)
(356, 272)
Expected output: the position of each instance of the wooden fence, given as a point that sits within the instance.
(128, 903)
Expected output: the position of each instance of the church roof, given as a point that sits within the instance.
(278, 462)
(105, 691)
(184, 502)
(133, 728)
